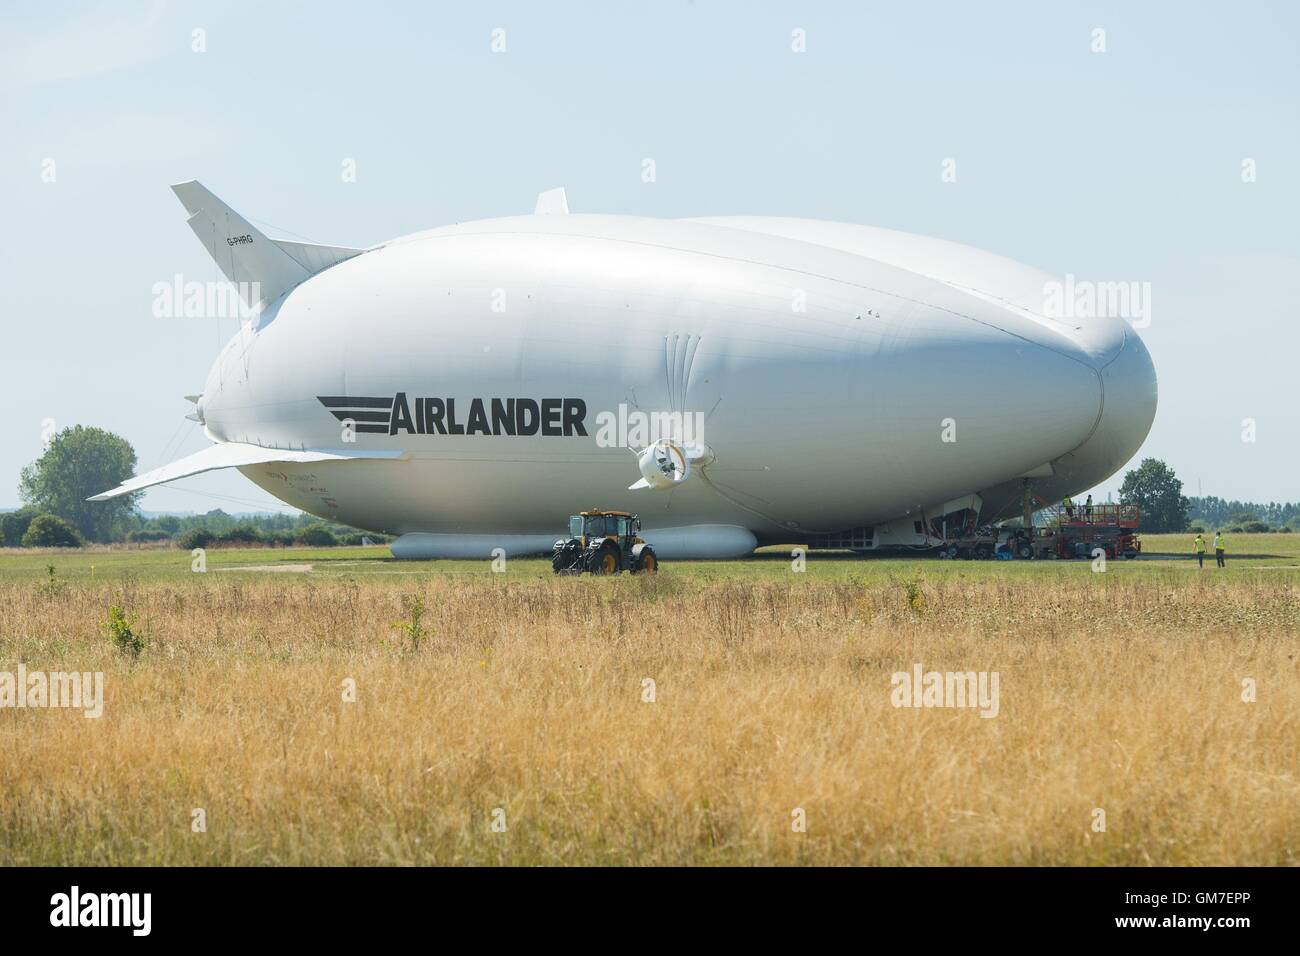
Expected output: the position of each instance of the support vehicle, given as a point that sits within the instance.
(1075, 533)
(604, 542)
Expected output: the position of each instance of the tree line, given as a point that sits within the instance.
(1218, 513)
(1158, 492)
(82, 461)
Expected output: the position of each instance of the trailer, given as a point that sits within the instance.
(1076, 532)
(995, 543)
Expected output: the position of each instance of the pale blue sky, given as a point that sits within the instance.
(1123, 165)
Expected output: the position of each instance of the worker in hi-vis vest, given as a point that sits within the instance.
(1199, 546)
(1220, 542)
(1068, 505)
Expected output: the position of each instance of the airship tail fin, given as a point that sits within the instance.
(552, 202)
(262, 269)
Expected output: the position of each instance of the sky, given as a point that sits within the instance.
(1126, 163)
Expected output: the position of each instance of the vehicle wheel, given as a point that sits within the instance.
(1025, 552)
(982, 552)
(567, 558)
(604, 561)
(648, 564)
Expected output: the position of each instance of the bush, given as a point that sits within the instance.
(13, 525)
(359, 539)
(47, 531)
(147, 534)
(1257, 527)
(52, 586)
(413, 627)
(368, 537)
(120, 633)
(240, 534)
(316, 536)
(195, 538)
(1196, 529)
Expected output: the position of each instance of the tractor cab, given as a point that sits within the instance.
(603, 524)
(603, 542)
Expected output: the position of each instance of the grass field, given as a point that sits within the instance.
(518, 731)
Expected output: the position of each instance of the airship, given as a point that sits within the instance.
(737, 381)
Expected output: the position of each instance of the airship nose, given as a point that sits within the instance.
(1089, 395)
(1129, 394)
(1129, 398)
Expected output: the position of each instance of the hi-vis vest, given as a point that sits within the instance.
(1200, 545)
(1219, 542)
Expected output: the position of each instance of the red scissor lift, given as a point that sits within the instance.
(1078, 531)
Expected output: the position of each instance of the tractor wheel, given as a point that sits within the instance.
(567, 558)
(648, 562)
(983, 552)
(604, 561)
(1025, 552)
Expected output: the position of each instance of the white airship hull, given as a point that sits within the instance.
(840, 377)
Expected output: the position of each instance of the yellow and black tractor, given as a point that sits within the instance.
(604, 542)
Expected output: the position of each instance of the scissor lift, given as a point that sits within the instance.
(1079, 531)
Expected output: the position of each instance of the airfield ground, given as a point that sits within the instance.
(518, 731)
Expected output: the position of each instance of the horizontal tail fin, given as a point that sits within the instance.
(316, 258)
(233, 455)
(270, 268)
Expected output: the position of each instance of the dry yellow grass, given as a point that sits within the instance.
(771, 694)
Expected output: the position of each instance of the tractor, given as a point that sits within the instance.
(603, 542)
